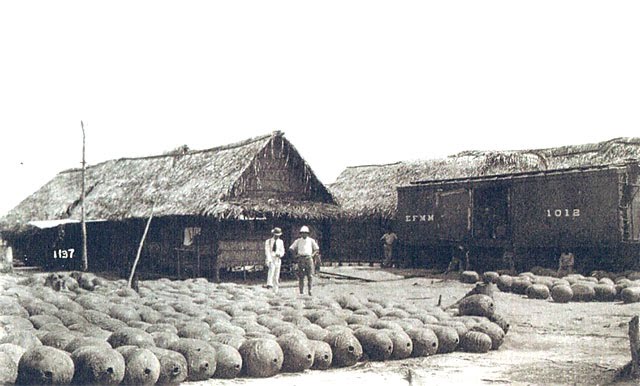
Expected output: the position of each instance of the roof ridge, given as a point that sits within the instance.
(212, 149)
(563, 150)
(374, 165)
(230, 146)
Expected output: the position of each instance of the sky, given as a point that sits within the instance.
(348, 82)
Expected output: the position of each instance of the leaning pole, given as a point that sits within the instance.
(85, 259)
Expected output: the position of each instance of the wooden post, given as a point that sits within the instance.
(179, 267)
(144, 236)
(197, 261)
(635, 347)
(85, 259)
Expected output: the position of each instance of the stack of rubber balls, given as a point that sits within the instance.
(600, 287)
(80, 328)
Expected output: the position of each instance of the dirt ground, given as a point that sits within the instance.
(548, 343)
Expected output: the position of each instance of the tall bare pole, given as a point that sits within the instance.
(85, 260)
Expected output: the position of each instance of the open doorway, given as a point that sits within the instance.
(491, 212)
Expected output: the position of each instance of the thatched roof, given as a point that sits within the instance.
(370, 190)
(207, 182)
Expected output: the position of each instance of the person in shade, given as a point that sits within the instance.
(566, 263)
(388, 240)
(304, 250)
(508, 259)
(274, 252)
(459, 259)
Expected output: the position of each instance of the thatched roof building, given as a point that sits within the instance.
(222, 182)
(370, 190)
(212, 209)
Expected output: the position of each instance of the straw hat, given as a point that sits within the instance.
(276, 231)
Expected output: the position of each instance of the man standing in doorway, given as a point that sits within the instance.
(304, 250)
(388, 239)
(508, 259)
(274, 251)
(566, 263)
(459, 259)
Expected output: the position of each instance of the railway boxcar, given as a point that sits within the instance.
(593, 212)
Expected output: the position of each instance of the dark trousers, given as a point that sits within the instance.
(388, 256)
(459, 263)
(305, 269)
(454, 265)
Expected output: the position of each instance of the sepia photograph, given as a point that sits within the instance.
(288, 193)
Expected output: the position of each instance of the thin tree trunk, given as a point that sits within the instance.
(85, 258)
(144, 236)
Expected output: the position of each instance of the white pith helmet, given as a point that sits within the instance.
(304, 229)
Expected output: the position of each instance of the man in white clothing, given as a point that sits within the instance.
(305, 249)
(274, 251)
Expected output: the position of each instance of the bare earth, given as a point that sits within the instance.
(548, 343)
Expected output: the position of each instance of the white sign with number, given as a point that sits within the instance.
(63, 253)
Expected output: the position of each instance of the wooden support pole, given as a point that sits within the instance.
(178, 268)
(197, 261)
(85, 258)
(144, 236)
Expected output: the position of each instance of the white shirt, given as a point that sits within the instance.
(304, 247)
(389, 238)
(8, 257)
(268, 248)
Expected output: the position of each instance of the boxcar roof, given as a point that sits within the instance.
(524, 175)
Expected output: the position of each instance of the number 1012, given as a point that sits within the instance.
(563, 212)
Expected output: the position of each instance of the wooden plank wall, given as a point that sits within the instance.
(356, 241)
(240, 242)
(232, 253)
